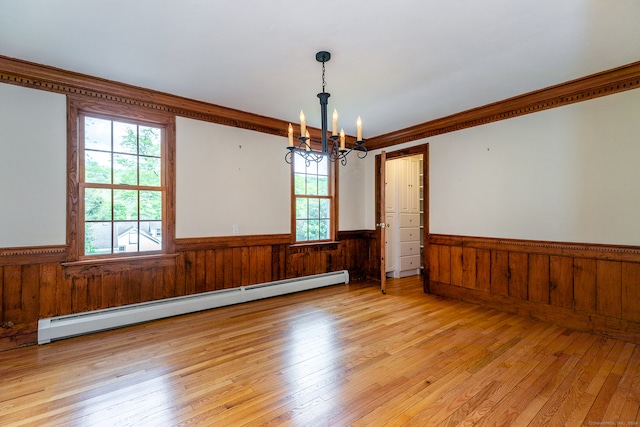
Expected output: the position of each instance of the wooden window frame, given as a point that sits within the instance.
(78, 106)
(333, 196)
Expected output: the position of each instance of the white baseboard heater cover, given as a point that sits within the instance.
(59, 327)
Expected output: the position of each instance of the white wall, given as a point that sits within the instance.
(33, 156)
(227, 176)
(569, 174)
(352, 197)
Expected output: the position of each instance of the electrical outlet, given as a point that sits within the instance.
(236, 229)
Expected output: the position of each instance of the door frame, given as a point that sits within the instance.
(405, 152)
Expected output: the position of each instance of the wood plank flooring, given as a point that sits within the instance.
(339, 356)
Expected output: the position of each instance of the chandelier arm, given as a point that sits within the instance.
(363, 151)
(288, 157)
(304, 145)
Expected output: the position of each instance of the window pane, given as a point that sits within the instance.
(325, 206)
(125, 205)
(125, 139)
(312, 168)
(314, 229)
(325, 226)
(150, 141)
(302, 211)
(151, 205)
(97, 134)
(323, 186)
(97, 204)
(150, 171)
(312, 213)
(312, 185)
(299, 164)
(125, 169)
(97, 238)
(301, 230)
(125, 237)
(299, 183)
(117, 219)
(323, 167)
(314, 208)
(150, 235)
(97, 167)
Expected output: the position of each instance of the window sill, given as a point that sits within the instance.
(116, 265)
(314, 246)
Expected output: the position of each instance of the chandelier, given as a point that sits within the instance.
(333, 146)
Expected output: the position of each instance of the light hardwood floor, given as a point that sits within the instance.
(343, 355)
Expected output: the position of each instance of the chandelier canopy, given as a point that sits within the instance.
(333, 146)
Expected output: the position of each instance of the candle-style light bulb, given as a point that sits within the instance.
(334, 123)
(341, 139)
(303, 124)
(359, 125)
(290, 134)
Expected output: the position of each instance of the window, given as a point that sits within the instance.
(122, 189)
(313, 201)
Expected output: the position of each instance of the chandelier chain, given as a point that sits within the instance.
(323, 82)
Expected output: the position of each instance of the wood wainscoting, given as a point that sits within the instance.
(594, 288)
(37, 283)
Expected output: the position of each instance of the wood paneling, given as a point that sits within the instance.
(609, 288)
(434, 263)
(500, 272)
(12, 295)
(518, 275)
(631, 291)
(456, 266)
(561, 281)
(469, 263)
(445, 264)
(596, 286)
(32, 288)
(26, 255)
(539, 278)
(586, 286)
(483, 269)
(584, 282)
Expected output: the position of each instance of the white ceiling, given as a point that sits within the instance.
(395, 63)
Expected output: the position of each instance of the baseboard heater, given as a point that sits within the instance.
(59, 327)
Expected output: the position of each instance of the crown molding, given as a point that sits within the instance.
(608, 82)
(52, 79)
(43, 77)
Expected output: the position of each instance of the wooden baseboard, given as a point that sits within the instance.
(588, 322)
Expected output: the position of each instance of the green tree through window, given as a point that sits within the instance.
(313, 199)
(123, 187)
